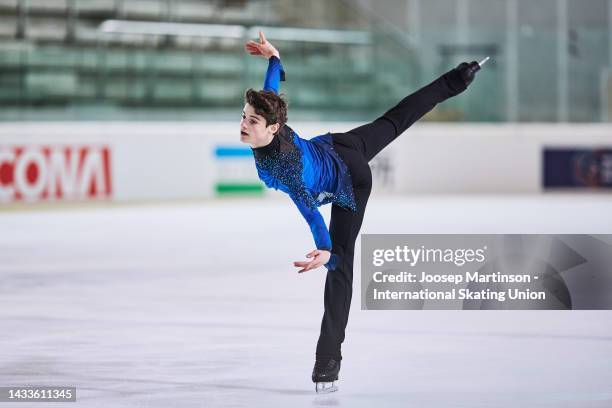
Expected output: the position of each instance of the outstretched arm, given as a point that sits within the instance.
(275, 72)
(320, 256)
(274, 75)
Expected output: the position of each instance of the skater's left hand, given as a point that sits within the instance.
(319, 258)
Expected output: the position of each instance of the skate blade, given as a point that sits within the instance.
(325, 387)
(481, 63)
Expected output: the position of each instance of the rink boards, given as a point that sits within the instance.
(134, 161)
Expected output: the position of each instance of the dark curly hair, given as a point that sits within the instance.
(268, 104)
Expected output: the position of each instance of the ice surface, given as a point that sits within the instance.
(198, 305)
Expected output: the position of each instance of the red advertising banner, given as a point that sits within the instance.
(55, 172)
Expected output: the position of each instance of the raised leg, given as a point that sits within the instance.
(371, 138)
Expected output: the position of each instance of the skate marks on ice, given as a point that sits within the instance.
(99, 299)
(326, 400)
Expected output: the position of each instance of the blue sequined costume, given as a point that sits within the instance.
(309, 171)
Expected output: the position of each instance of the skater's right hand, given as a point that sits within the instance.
(468, 71)
(263, 47)
(319, 258)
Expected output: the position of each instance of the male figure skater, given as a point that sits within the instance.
(331, 168)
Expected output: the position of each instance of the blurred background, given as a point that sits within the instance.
(130, 77)
(183, 59)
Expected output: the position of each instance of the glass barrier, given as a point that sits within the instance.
(56, 63)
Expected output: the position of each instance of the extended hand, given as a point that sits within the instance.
(319, 258)
(263, 47)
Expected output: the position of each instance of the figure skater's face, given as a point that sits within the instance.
(253, 129)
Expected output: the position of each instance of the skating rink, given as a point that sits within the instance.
(198, 305)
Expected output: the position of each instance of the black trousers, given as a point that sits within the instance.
(356, 148)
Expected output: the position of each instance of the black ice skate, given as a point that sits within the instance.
(324, 373)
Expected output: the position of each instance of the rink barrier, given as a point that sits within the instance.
(187, 160)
